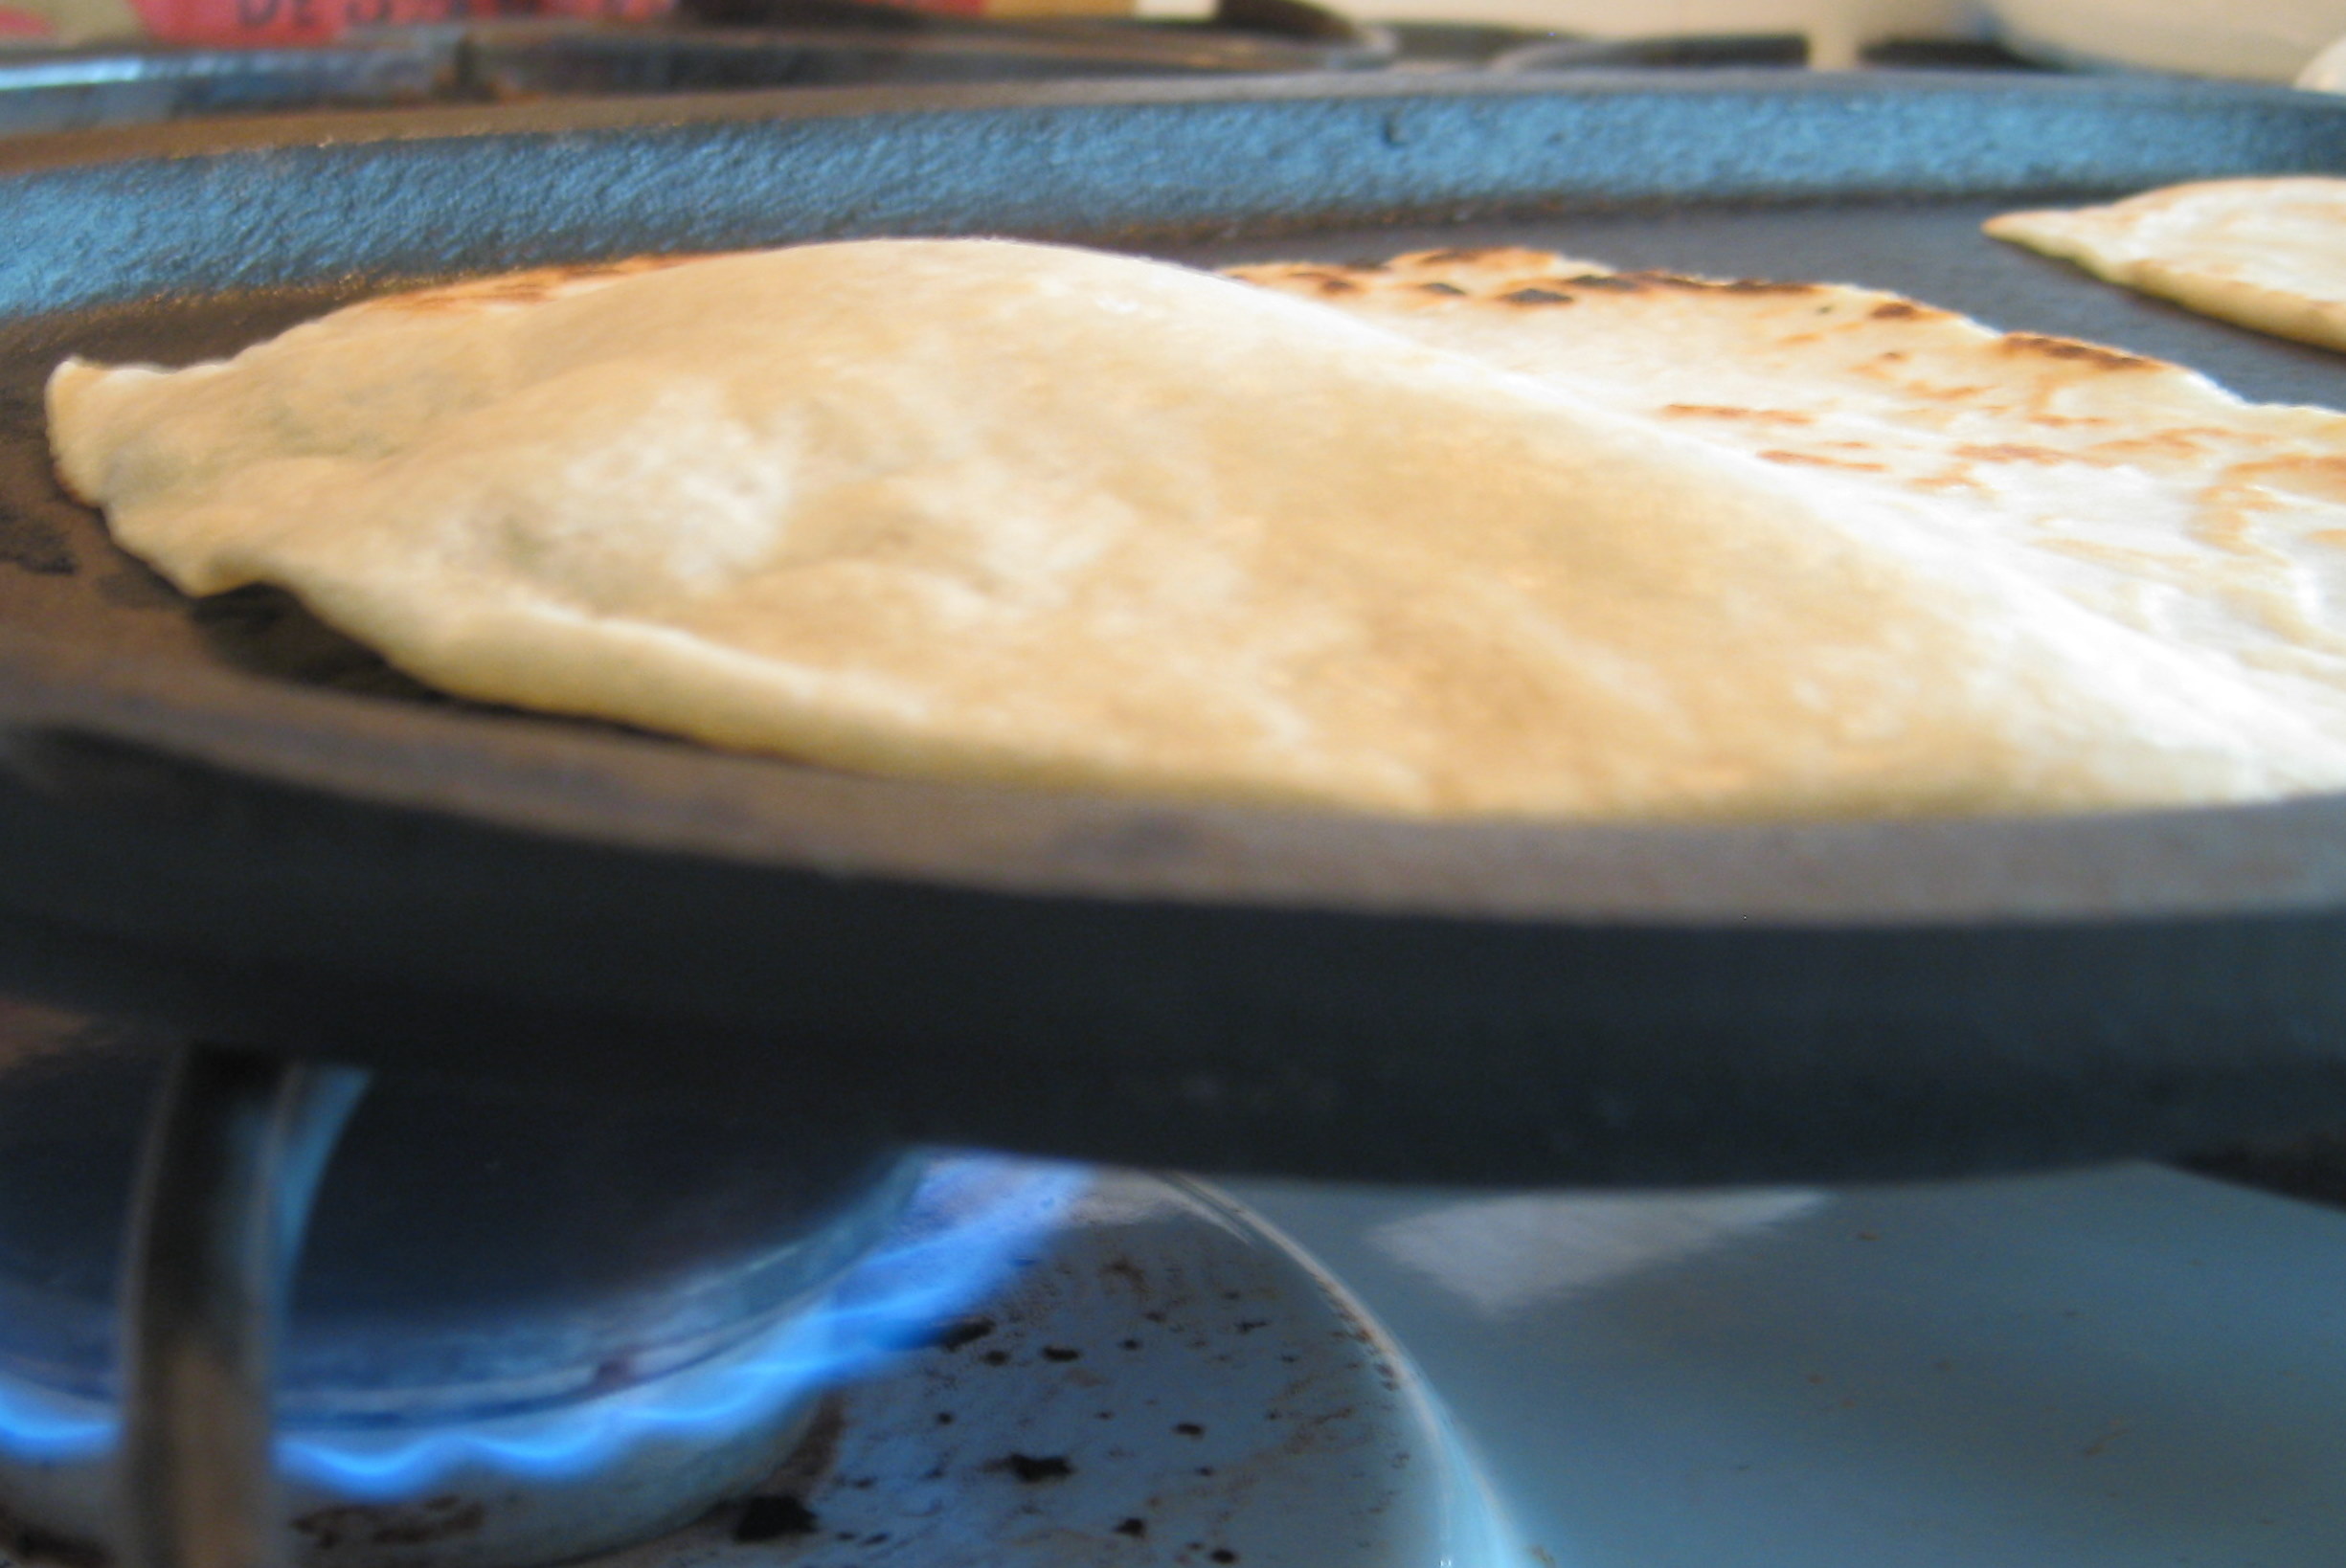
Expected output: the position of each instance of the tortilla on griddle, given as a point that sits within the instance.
(2269, 254)
(977, 510)
(2142, 491)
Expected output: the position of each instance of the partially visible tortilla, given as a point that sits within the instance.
(976, 510)
(2269, 254)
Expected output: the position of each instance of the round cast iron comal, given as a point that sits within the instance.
(221, 815)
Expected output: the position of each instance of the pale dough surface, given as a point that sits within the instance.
(2269, 253)
(2141, 490)
(977, 510)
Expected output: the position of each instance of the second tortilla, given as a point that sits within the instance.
(2269, 254)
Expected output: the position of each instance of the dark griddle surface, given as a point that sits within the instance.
(225, 816)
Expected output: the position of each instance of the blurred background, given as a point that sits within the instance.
(71, 64)
(2269, 40)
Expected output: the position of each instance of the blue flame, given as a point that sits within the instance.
(965, 1228)
(48, 1429)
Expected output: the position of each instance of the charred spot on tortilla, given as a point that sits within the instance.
(2090, 354)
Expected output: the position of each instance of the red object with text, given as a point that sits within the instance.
(315, 21)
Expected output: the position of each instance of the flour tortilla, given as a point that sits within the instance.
(2140, 490)
(976, 510)
(2269, 254)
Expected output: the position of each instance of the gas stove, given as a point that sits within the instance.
(1016, 1363)
(2125, 1365)
(522, 1338)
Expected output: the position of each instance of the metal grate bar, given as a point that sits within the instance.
(233, 1159)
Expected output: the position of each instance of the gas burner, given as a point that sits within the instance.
(529, 1333)
(382, 1476)
(1170, 1381)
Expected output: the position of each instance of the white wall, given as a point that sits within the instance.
(1835, 27)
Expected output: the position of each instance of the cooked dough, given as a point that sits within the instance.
(2144, 492)
(977, 510)
(2267, 254)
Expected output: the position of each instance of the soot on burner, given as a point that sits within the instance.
(520, 1333)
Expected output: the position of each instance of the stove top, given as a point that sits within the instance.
(2117, 1367)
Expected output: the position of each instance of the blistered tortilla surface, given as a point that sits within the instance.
(988, 510)
(2269, 254)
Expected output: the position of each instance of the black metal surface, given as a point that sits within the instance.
(225, 817)
(2310, 1167)
(501, 64)
(72, 89)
